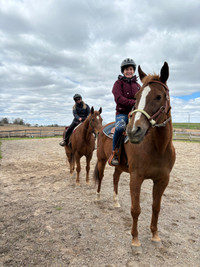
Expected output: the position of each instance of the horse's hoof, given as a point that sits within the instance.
(116, 200)
(117, 205)
(155, 237)
(87, 182)
(136, 250)
(97, 196)
(77, 183)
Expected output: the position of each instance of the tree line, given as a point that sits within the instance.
(20, 121)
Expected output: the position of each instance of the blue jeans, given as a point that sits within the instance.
(120, 126)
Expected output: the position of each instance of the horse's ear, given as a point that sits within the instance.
(164, 73)
(141, 73)
(92, 110)
(100, 110)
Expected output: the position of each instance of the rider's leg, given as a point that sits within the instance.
(120, 126)
(69, 132)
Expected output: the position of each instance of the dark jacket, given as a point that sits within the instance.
(124, 91)
(81, 110)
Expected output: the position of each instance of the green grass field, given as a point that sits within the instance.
(0, 151)
(185, 125)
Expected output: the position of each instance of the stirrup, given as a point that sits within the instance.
(113, 159)
(62, 143)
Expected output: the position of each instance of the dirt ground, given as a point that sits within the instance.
(46, 220)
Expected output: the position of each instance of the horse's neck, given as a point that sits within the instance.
(162, 137)
(87, 130)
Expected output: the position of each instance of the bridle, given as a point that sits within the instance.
(91, 120)
(163, 109)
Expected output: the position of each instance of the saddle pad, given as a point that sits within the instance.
(66, 127)
(108, 131)
(77, 126)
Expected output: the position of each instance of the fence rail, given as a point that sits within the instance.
(186, 136)
(30, 133)
(177, 135)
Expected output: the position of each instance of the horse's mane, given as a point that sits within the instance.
(151, 77)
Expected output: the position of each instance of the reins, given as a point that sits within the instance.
(163, 109)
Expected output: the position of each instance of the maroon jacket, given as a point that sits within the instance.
(124, 91)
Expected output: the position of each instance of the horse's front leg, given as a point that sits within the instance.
(88, 159)
(158, 190)
(78, 168)
(116, 176)
(135, 188)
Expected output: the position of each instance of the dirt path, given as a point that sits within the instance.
(45, 220)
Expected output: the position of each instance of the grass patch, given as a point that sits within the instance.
(0, 150)
(23, 138)
(58, 208)
(185, 125)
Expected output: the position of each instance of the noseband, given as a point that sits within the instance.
(163, 109)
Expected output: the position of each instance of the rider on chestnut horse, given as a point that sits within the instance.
(80, 111)
(124, 91)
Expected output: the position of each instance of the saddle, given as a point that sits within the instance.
(69, 144)
(110, 129)
(109, 132)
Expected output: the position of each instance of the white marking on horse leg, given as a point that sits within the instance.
(97, 196)
(116, 200)
(141, 104)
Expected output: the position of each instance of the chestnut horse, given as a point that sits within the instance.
(82, 143)
(149, 153)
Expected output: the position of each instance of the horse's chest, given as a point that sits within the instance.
(86, 150)
(151, 162)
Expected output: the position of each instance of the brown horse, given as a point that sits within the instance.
(82, 143)
(149, 154)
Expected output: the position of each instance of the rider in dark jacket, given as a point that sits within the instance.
(80, 112)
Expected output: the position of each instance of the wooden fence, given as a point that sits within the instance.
(31, 133)
(186, 136)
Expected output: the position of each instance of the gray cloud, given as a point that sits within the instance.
(50, 50)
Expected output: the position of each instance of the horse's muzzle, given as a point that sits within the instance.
(136, 134)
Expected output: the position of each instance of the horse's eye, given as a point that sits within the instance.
(158, 97)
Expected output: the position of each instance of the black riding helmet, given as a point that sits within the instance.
(126, 63)
(77, 96)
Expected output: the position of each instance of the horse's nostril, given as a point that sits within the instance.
(138, 129)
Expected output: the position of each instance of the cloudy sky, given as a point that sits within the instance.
(52, 49)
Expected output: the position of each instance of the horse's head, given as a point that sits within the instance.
(152, 105)
(95, 120)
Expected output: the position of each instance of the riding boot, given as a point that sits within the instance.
(113, 159)
(62, 143)
(65, 141)
(69, 131)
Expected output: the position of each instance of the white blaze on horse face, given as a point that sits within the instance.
(141, 104)
(97, 117)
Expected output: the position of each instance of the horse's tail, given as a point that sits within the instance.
(96, 173)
